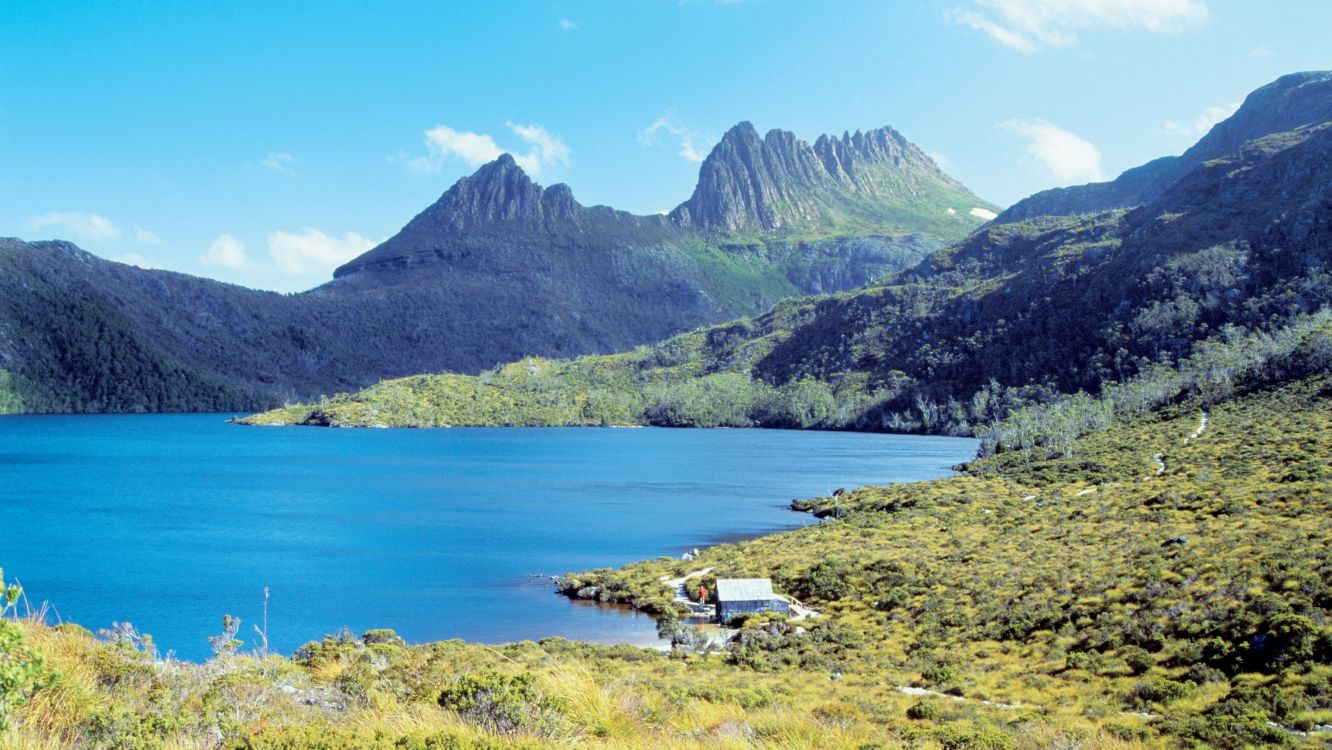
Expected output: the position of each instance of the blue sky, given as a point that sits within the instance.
(265, 143)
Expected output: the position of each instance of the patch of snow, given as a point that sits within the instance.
(982, 213)
(951, 211)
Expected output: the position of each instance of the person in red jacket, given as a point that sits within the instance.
(702, 594)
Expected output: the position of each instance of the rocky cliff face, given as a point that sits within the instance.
(498, 199)
(499, 193)
(779, 183)
(870, 184)
(1286, 104)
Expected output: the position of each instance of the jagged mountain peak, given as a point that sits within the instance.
(782, 183)
(501, 192)
(498, 199)
(867, 183)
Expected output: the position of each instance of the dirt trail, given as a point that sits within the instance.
(682, 594)
(1203, 421)
(935, 693)
(1202, 426)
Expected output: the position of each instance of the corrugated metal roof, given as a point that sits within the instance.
(744, 589)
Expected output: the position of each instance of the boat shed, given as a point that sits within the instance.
(747, 596)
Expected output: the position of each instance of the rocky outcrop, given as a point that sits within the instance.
(498, 199)
(781, 183)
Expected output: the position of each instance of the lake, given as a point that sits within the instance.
(169, 521)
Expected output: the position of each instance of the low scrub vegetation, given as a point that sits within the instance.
(1042, 598)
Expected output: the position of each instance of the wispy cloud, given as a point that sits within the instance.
(547, 149)
(567, 25)
(294, 258)
(1031, 25)
(1202, 122)
(687, 137)
(227, 251)
(542, 149)
(280, 162)
(311, 251)
(80, 225)
(1067, 157)
(145, 237)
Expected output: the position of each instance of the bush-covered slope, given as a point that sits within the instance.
(1167, 583)
(1171, 566)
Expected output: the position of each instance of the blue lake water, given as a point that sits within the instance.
(169, 521)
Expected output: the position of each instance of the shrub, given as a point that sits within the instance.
(743, 697)
(978, 738)
(1158, 691)
(940, 674)
(836, 715)
(926, 710)
(1137, 659)
(826, 580)
(506, 704)
(382, 636)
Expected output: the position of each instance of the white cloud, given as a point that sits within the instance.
(280, 162)
(1067, 157)
(567, 25)
(1202, 122)
(982, 213)
(227, 251)
(688, 138)
(546, 148)
(1030, 25)
(81, 225)
(145, 237)
(443, 143)
(313, 252)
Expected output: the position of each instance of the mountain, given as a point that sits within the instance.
(1016, 313)
(1288, 103)
(497, 269)
(870, 182)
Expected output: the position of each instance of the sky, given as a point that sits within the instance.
(266, 143)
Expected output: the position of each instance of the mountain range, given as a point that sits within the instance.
(1237, 244)
(497, 269)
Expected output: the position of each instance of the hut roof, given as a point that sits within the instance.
(744, 589)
